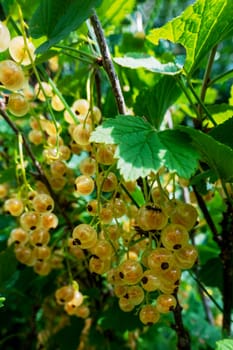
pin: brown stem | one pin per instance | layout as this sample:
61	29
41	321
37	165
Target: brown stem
183	337
36	164
227	261
107	64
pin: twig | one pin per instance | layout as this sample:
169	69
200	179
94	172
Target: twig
183	338
217	238
107	64
206	291
36	164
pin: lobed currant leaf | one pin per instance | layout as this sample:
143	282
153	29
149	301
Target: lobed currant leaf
142	149
199	28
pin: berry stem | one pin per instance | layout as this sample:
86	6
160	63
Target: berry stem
183	337
107	64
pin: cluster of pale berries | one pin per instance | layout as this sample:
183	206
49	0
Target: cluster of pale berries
140	251
152	265
32	236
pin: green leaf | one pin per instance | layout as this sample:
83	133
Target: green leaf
113	12
55	19
220	113
154	102
211	273
199	28
218	156
223	133
8	264
142	149
224	344
136	60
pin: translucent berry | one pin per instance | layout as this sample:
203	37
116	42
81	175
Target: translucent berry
39	237
48	220
149	315
21	51
30	220
81	134
105	154
84	236
11	75
64	294
42	202
14	206
130	271
149	281
151	217
18	236
84	185
102	249
87	166
174	236
125	304
134	294
186	257
165	303
72	305
18	104
160	259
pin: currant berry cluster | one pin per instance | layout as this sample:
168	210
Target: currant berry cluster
141	251
32	235
156	265
72	300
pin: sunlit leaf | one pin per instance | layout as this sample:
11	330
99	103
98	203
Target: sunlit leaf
220	113
199	28
149	63
224	344
142	149
113	12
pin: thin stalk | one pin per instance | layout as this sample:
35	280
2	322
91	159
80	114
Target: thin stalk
200	102
207	73
185	91
206	292
80	52
81	59
107	64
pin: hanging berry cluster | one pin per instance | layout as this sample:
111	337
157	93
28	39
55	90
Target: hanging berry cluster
139	249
